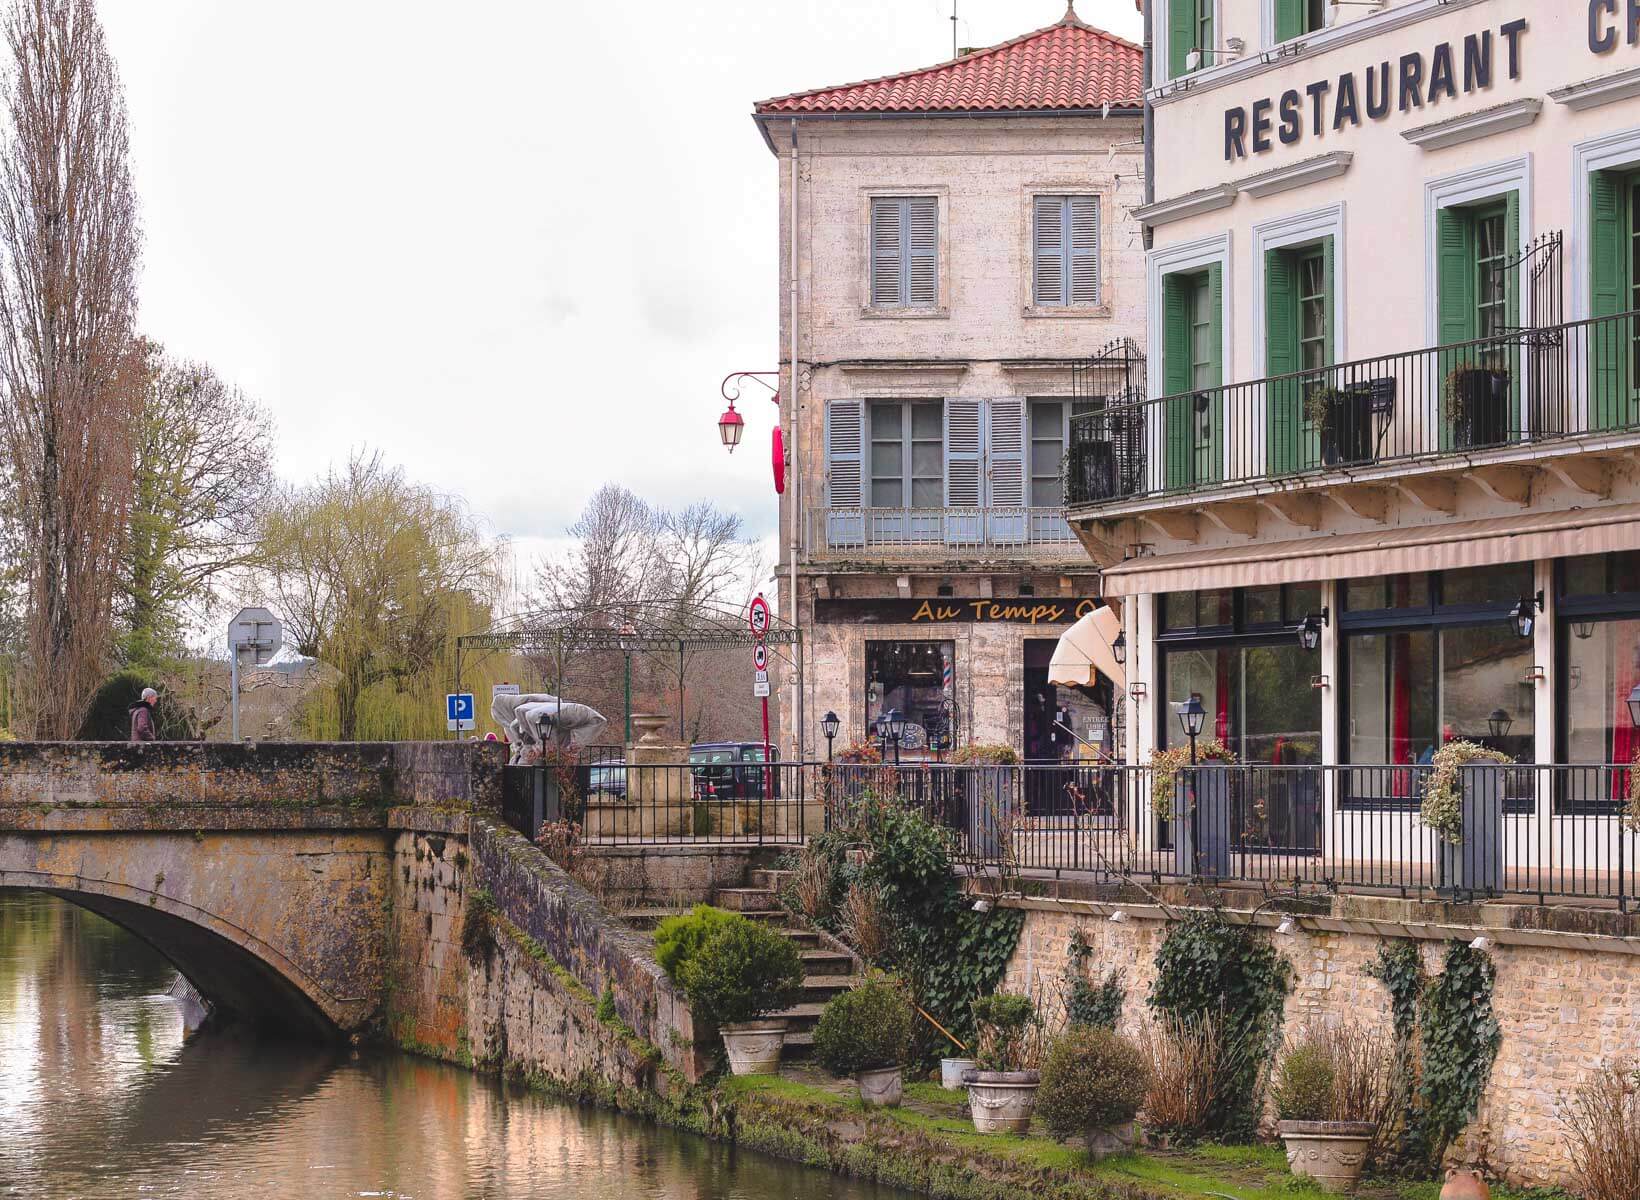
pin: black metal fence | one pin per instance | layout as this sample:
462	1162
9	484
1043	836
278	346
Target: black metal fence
1524	386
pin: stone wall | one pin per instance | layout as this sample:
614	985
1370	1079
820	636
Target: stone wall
1567	998
624	877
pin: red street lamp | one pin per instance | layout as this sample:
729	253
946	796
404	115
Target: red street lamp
730	426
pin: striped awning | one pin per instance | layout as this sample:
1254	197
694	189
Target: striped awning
1397	551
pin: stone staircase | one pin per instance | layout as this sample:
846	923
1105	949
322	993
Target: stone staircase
829	967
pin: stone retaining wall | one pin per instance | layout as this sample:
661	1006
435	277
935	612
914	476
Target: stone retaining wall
1567	999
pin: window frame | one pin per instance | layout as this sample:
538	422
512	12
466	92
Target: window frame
1065	195
1069	408
908	442
939	309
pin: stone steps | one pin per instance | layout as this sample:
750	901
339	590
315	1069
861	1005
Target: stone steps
748	900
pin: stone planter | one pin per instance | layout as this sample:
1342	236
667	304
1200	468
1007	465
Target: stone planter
1002	1101
882	1087
1105	1140
1330	1152
754	1046
1475	865
1201	840
954	1072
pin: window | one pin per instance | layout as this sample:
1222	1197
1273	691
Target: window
1313	291
907	460
1598	632
1050	433
1477	253
1614	270
1203	353
904	251
1299	322
1189	27
1297	17
1065	241
1492	255
1192	350
918	679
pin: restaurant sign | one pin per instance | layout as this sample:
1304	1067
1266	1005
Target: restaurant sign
944	610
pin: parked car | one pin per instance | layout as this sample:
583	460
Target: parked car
730	771
607	780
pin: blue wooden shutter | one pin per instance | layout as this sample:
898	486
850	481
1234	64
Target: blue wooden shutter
1005	470
845	441
1082	230
1283	401
887	257
1048	244
964	470
1609	340
922	252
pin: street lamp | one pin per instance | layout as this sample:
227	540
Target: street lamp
1499	723
730	426
891	727
1309	630
1634	706
1118	648
829	725
1192	717
1523	617
628	639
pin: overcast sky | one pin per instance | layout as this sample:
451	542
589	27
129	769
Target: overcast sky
515	244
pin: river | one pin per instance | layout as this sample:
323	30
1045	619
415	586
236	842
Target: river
104	1093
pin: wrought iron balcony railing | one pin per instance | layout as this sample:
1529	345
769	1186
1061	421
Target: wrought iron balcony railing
1528	386
926	533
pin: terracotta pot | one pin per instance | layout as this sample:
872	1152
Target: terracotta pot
1002	1101
882	1087
953	1072
1464	1185
1330	1152
1103	1140
754	1046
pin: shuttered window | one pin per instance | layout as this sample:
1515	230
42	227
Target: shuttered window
1614	273
1189	27
907	454
905	251
1295	18
1065	238
845	436
1299	323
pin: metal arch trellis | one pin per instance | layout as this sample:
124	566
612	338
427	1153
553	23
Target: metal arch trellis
634	626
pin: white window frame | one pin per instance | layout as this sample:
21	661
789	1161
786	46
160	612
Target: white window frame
941	308
1159	34
1608	152
1183	258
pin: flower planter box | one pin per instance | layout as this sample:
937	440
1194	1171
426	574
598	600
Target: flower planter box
1201	839
1485	399
754	1046
1002	1101
954	1073
1475	865
1346	434
1332	1153
1103	1141
881	1088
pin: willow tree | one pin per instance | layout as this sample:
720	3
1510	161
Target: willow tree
68	372
376	576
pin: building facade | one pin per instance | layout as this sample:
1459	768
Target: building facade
1394	384
957	247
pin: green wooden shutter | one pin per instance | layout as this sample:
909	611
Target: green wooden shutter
1283	406
1211	456
1176	292
1455	297
1511	225
1289	19
1329	279
1181	34
1609	341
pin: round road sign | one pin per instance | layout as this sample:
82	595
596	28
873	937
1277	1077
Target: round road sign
759	615
760	657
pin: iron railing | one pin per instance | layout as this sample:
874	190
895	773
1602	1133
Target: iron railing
1526	386
900	533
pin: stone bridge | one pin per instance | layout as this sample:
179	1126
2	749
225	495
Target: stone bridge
263	872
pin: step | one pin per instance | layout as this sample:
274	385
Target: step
807	940
773	880
648	918
799	1044
745	900
824	987
827	962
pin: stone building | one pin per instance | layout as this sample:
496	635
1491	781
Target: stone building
963	247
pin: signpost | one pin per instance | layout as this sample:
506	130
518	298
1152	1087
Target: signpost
458	711
255	633
758	617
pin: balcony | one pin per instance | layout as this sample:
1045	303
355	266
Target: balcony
896	535
1531	393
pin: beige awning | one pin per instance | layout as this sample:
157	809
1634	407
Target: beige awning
1485	543
1084	652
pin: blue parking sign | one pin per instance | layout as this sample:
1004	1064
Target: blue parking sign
458	710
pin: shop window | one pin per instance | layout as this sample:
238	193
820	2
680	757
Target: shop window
1261	609
1599	637
1258	698
1478	586
1384	593
919	679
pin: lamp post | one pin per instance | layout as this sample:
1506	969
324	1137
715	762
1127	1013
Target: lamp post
829	725
1118	648
1523	617
891	726
628	638
1309	630
1192	717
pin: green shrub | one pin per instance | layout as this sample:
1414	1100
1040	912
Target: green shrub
741	972
1091	1079
1304	1084
678	938
1095	1005
865	1029
1008	1032
108	717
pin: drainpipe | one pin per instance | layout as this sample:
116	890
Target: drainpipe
796	443
1149	133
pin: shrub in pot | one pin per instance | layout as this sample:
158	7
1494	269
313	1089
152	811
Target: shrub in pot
739	974
866	1033
1331	1089
1002	1087
1093	1082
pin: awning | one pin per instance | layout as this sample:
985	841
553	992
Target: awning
1523	538
1084	652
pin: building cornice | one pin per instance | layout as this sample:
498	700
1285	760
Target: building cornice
1191	204
1592	93
1299	174
1471	127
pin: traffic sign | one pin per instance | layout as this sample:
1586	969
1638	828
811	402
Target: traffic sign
759	615
458	710
761	688
760	657
255	635
503	689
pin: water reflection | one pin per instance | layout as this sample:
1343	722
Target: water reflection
104	1094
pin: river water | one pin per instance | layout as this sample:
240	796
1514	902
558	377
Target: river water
104	1093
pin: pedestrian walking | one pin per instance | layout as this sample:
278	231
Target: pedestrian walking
143	728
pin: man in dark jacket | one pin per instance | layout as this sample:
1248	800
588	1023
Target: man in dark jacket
142	718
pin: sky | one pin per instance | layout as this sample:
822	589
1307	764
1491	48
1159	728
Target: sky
513	245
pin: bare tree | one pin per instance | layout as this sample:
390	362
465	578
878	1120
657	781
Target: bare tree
203	479
612	560
68	260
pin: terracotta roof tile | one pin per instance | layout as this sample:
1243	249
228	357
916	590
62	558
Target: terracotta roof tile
1069	65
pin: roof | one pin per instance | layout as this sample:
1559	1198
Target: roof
1068	65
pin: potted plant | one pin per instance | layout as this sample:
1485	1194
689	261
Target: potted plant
1002	1087
735	972
1093	1082
866	1033
1342	421
1331	1090
1477	404
1465	809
